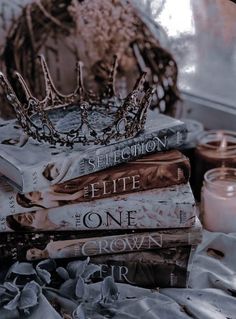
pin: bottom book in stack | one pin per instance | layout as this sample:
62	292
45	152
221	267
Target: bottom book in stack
159	268
158	258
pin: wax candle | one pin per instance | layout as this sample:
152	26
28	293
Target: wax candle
214	149
195	129
219	200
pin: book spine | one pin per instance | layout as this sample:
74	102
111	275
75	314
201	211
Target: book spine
72	245
162	268
75	165
153	171
150	209
148	270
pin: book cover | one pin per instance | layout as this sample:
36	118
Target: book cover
33	246
33	166
169	207
152	171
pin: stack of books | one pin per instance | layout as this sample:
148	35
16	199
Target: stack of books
127	205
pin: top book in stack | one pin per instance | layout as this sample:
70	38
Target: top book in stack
36	166
119	129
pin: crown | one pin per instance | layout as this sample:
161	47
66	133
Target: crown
80	117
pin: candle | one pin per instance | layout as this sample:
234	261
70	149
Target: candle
215	149
195	129
219	200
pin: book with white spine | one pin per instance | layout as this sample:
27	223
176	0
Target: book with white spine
171	207
159	170
33	166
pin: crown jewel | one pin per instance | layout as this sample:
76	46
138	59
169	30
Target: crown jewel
80	117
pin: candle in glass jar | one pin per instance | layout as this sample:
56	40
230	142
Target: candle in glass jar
214	149
219	200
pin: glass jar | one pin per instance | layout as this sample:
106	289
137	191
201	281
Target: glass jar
214	149
218	205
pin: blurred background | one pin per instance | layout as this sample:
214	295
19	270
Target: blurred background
201	36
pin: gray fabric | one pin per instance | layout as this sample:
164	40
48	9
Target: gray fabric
215	272
212	282
210	295
212	279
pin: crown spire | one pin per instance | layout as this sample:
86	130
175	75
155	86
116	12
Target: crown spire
138	87
24	86
110	87
140	116
10	95
146	100
131	101
53	97
79	79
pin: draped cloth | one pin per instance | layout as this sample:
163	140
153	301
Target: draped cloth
211	293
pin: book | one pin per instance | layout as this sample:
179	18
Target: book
32	246
162	268
33	166
166	267
153	171
169	207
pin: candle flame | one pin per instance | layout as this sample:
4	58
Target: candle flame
223	141
223	144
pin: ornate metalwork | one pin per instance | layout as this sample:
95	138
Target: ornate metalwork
79	117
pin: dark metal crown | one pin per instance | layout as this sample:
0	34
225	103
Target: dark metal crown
80	117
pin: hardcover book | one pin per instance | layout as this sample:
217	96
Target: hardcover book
169	207
153	171
148	269
32	246
166	267
32	166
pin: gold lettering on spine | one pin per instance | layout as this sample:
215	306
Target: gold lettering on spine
156	241
114	186
91	162
116	158
88	249
150	146
135	243
123	154
123	272
105	188
103	247
124	180
160	142
127	154
94	189
135	182
118	245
